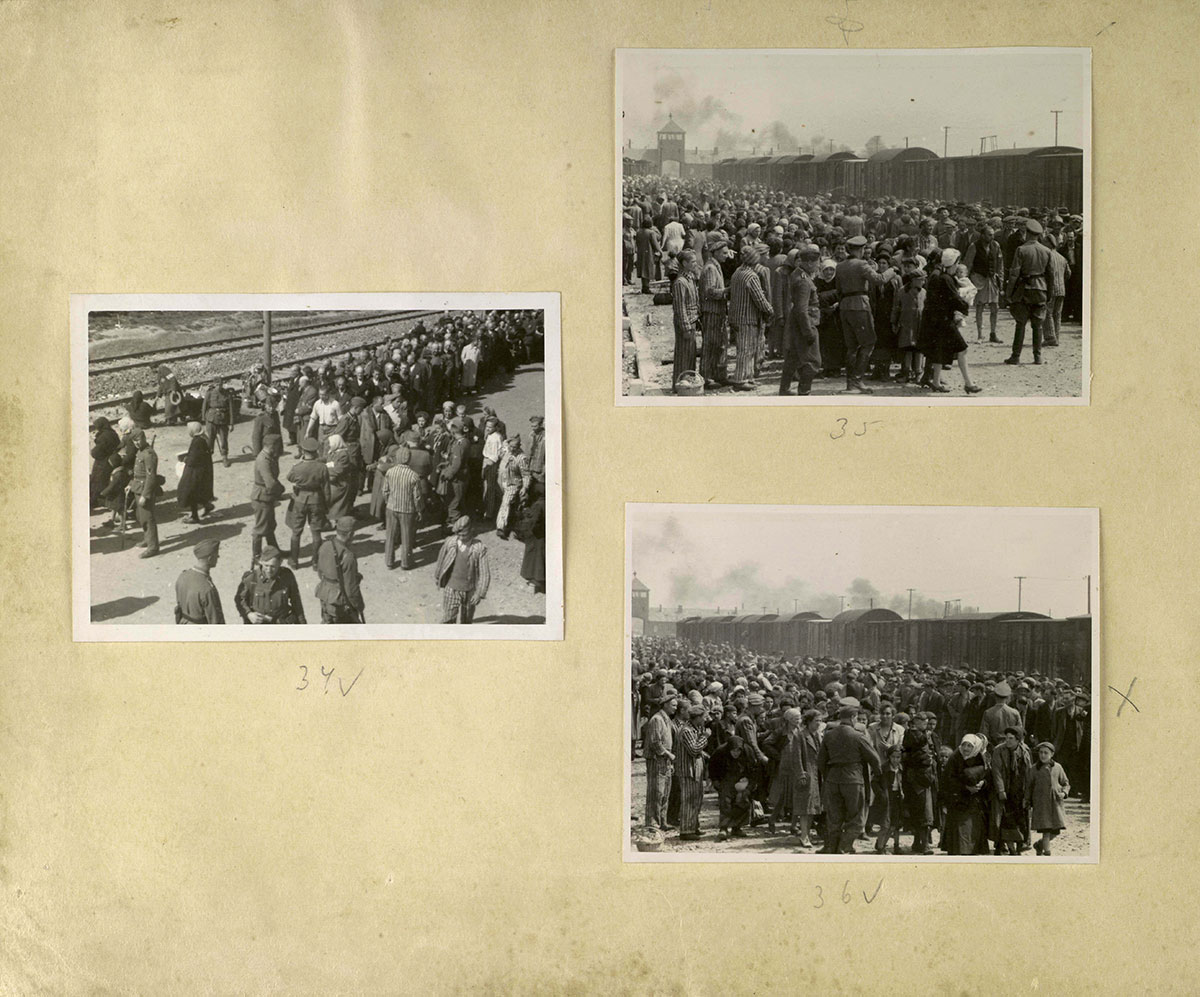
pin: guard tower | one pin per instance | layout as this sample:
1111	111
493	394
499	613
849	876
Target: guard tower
670	149
640	600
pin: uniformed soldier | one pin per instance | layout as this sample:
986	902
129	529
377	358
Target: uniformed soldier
267	422
456	473
265	494
338	589
217	415
268	592
310	500
196	597
146	485
840	762
853	280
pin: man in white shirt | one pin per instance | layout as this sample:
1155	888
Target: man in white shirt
493	449
326	413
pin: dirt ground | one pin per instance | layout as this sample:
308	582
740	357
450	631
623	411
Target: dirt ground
129	590
758	841
1059	376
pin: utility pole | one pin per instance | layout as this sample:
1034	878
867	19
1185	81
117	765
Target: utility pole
267	342
945	140
872	603
910	592
906	141
1020	582
945	609
843	598
795	605
1056	114
831	145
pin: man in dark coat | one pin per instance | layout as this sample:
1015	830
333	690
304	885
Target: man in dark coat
339	592
844	752
1072	728
801	340
217	416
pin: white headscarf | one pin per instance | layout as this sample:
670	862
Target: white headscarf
950	257
970	746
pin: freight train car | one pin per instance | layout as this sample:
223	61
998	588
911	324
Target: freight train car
980	641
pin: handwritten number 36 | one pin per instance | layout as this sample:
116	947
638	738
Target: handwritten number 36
847	896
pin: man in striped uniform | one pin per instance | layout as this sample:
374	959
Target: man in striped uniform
463	573
749	308
686	309
714	305
658	741
690	751
402	498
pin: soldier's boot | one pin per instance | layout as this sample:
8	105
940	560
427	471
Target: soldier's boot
256	543
294	559
317	541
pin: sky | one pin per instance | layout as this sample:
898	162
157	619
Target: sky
788	98
805	557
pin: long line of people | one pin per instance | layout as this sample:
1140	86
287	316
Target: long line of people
884	285
856	750
364	427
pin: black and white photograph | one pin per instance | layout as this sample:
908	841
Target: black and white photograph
337	466
867	227
858	683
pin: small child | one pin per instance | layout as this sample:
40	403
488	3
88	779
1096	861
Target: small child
907	307
966	290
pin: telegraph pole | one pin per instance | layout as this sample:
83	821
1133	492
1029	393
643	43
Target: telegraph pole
267	342
945	140
1056	114
1020	581
843	598
910	592
795	605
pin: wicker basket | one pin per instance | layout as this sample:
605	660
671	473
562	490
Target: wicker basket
689	383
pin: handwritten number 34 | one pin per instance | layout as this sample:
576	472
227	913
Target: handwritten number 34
344	689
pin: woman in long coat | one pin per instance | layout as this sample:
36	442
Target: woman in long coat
105	443
789	789
1010	805
966	799
810	748
1046	788
533	531
196	482
940	338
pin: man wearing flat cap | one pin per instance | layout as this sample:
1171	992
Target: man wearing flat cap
844	752
1029	290
658	745
1000	716
337	566
463	573
714	307
196	599
268	592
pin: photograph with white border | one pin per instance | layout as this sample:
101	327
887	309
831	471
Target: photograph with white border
316	466
843	226
861	683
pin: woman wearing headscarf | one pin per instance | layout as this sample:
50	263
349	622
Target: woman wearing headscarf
533	531
966	793
196	481
140	411
941	337
789	790
985	266
690	756
105	443
1046	788
833	345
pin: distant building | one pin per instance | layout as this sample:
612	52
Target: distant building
672	153
640	600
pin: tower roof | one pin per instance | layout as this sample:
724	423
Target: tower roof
639	585
671	126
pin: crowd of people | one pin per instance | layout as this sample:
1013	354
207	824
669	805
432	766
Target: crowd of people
844	751
879	289
382	438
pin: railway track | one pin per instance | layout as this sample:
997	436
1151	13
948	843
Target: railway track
181	354
283	364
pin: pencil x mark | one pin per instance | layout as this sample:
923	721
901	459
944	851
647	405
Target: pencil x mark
1125	698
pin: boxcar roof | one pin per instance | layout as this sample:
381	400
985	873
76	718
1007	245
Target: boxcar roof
866	616
904	154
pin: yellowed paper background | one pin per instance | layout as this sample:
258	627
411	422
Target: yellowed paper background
183	820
